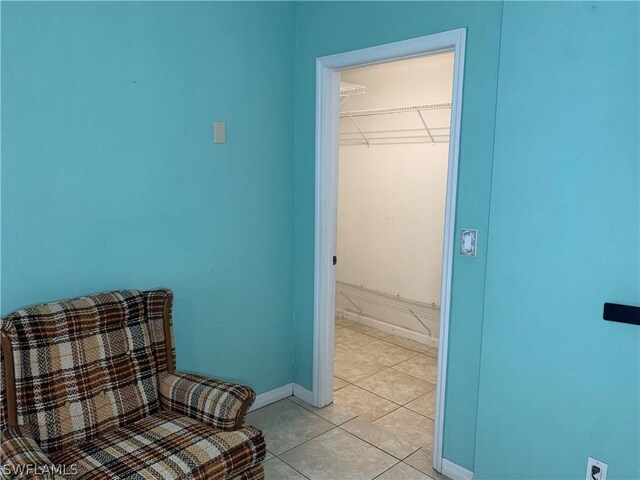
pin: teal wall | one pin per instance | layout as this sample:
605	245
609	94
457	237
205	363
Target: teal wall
110	178
557	383
559	211
324	29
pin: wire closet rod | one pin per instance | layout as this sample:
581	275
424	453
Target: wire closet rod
389	110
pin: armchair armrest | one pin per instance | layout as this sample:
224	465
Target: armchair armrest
21	457
219	404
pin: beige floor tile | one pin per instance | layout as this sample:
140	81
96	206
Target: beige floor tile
411	425
345	322
351	366
347	338
336	414
402	471
424	405
381	437
276	469
338	455
338	383
374	332
286	424
433	352
362	403
385	353
396	386
421	366
269	456
408	343
422	460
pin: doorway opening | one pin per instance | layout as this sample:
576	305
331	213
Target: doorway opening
388	123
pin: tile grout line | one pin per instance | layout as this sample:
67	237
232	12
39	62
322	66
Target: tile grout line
401	404
387	341
383	339
383	451
290	466
401	460
306	441
382	473
346	431
386	367
396	345
326	419
378	448
339	426
403	463
373	393
387	399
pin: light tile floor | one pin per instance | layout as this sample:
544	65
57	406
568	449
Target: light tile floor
380	425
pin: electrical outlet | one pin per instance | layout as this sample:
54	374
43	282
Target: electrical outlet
596	470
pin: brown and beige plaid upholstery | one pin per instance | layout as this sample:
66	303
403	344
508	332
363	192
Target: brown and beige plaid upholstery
92	376
4	420
158	304
166	445
252	473
82	366
21	456
219	404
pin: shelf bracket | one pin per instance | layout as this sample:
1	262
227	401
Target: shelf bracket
359	131
433	142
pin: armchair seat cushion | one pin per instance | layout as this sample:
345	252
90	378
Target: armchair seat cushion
166	446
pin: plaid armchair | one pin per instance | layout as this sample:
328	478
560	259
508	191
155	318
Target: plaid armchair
90	391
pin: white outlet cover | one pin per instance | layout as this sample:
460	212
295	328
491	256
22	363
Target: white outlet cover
468	241
601	475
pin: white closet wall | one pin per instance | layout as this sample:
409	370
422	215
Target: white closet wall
391	198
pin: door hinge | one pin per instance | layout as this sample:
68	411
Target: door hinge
335	259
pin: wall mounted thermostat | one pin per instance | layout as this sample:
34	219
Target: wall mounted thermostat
219	132
468	240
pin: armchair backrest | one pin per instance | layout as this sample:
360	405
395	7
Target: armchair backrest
75	368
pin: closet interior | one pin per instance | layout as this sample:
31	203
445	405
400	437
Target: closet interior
392	182
394	139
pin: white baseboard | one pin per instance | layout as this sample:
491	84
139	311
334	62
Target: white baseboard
387	327
455	471
272	396
302	393
277	394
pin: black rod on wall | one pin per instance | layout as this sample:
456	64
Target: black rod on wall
615	312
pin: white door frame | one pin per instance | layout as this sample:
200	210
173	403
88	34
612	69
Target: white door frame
327	124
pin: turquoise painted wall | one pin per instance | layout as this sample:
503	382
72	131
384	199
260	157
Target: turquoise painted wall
559	211
557	383
110	178
328	28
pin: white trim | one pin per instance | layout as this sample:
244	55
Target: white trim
280	393
448	244
326	173
327	108
302	393
388	327
455	471
272	396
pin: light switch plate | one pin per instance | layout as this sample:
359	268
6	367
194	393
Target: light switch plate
468	242
219	132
